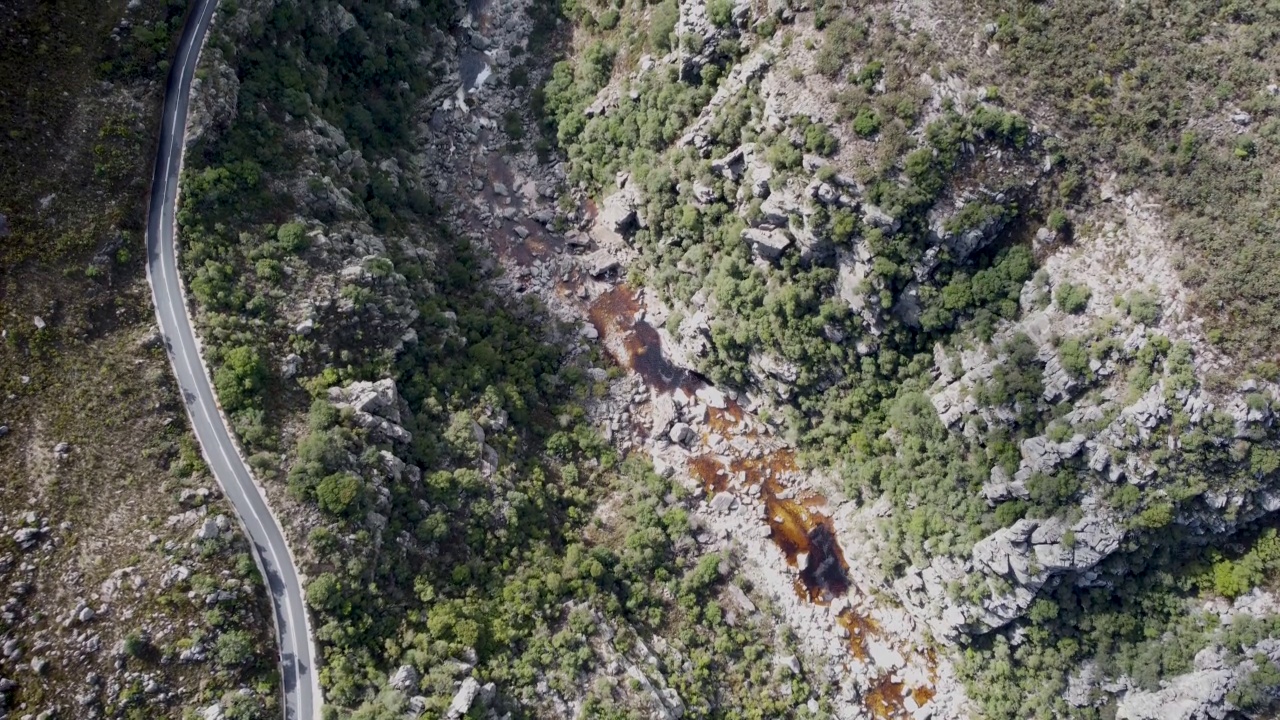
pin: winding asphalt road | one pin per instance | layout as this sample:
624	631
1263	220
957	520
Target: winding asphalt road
301	688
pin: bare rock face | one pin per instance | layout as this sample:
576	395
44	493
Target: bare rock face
378	407
463	700
767	244
966	231
618	218
405	679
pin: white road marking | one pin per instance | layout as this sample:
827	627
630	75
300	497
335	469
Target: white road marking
234	467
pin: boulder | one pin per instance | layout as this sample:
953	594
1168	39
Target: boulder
601	262
767	244
682	434
207	530
618	213
463	700
404	679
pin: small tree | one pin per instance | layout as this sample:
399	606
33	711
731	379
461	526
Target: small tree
1072	298
241	377
234	647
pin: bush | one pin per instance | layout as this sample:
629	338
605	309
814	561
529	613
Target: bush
337	493
134	644
819	140
1072	298
1140	306
240	378
663	25
232	648
720	12
866	123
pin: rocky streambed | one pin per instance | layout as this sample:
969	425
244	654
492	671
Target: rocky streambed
788	522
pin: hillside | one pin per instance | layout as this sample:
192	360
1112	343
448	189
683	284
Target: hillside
721	358
129	591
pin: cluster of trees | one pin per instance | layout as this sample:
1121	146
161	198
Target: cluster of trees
503	566
866	411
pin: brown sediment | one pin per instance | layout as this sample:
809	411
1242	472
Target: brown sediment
796	525
714	476
923	695
884	700
859	627
727	420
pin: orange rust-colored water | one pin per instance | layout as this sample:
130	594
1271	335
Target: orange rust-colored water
614	315
860	628
798	525
884	700
887	697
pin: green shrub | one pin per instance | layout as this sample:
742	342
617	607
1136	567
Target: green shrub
866	123
1072	298
819	140
1140	306
240	378
663	24
234	647
720	12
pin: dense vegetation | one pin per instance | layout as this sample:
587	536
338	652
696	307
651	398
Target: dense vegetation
851	380
489	554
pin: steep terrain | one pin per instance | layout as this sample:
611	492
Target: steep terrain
937	334
128	588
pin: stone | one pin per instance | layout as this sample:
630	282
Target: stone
790	662
601	262
405	679
618	213
662	415
734	592
212	712
723	502
463	700
4	226
877	218
208	530
682	434
290	366
767	244
26	537
712	397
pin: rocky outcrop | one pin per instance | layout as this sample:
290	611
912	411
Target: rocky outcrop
377	407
